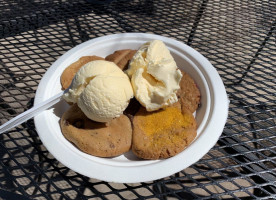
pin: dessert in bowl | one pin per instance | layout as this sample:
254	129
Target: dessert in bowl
210	116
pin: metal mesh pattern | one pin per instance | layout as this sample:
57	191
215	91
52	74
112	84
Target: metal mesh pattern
238	37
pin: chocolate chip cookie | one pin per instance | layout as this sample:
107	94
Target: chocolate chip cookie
97	139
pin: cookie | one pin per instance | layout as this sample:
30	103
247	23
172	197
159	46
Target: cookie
162	134
188	94
69	73
132	108
97	139
121	57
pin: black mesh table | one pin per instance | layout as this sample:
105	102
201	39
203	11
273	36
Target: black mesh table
239	39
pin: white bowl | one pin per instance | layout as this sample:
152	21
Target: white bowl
211	116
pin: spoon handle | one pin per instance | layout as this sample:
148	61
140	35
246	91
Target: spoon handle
31	112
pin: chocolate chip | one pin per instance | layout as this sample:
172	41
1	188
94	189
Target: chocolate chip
111	145
66	123
79	123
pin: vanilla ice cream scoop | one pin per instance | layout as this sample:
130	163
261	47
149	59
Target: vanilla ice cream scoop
101	90
154	76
